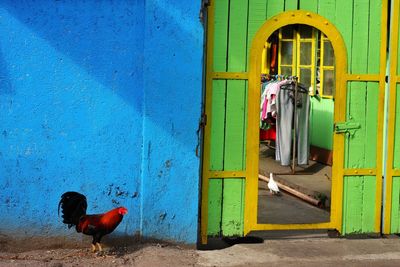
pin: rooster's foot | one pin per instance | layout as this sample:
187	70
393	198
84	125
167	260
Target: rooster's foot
100	248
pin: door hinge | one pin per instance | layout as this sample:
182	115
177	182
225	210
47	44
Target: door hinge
347	127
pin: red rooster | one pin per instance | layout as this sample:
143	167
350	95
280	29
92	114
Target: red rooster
73	207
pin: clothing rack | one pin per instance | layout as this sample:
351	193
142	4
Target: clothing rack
266	77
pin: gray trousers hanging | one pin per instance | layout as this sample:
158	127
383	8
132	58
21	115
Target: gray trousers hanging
284	126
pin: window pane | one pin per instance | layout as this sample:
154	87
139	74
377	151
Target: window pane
305	76
305	53
329	57
286	71
305	31
287	32
329	82
286	53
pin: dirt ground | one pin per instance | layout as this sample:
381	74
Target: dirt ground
57	252
302	249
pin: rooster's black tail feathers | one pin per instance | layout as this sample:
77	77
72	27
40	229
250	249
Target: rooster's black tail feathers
73	206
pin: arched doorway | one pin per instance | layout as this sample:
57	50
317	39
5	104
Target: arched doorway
252	148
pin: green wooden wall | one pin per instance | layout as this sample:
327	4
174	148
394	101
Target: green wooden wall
235	23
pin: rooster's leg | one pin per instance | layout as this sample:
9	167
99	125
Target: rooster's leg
93	248
100	248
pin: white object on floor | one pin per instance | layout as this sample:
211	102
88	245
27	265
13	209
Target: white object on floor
273	187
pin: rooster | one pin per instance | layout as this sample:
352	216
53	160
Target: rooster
73	207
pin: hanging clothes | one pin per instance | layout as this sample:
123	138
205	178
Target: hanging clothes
284	125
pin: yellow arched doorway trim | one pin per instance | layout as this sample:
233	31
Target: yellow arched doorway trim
252	147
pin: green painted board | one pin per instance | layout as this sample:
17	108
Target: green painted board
237	40
359	47
372	97
234	125
374	36
321	122
395	216
233	189
217	125
325	8
357	93
290	5
368	208
257	17
356	143
275	7
310	5
214	207
371	129
233	207
352	207
344	23
396	156
359	204
220	35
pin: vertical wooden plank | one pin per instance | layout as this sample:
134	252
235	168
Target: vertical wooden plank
234	134
396	149
325	8
395	217
345	201
310	5
233	207
214	207
374	36
372	99
357	107
353	204
237	40
257	17
344	23
290	5
275	7
218	125
220	35
233	189
357	93
368	204
371	125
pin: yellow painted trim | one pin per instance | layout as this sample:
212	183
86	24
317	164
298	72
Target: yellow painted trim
321	66
252	148
229	75
267	226
226	174
207	129
398	79
363	172
396	172
393	47
364	77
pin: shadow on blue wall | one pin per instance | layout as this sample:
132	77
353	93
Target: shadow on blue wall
73	108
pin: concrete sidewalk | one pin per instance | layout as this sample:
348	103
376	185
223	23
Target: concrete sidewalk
307	252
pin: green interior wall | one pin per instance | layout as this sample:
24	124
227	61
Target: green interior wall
236	22
321	122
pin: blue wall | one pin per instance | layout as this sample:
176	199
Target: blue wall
101	97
